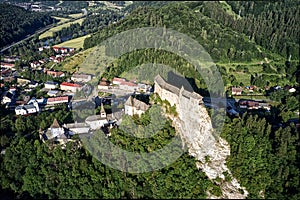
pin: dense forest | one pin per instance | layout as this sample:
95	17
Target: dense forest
221	32
33	170
16	23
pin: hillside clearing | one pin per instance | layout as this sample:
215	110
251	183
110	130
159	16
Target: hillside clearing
50	32
74	43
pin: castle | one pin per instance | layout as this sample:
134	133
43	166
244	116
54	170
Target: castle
173	94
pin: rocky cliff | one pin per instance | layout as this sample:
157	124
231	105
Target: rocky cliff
195	128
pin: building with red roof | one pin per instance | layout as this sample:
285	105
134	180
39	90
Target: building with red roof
70	86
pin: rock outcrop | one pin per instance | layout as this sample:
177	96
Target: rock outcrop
195	128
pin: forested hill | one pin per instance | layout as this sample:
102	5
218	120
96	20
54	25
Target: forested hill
272	24
16	23
222	40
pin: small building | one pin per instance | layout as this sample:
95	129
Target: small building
253	105
7	97
23	81
51	85
73	87
55	133
27	109
57	100
33	84
103	85
97	121
81	77
118	81
34	64
128	86
7	65
55	73
53	93
134	106
236	90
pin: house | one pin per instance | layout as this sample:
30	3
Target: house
252	105
55	73
128	86
7	97
9	79
264	105
57	100
117	81
97	121
63	49
27	109
7	65
236	90
34	64
5	72
134	106
33	84
51	85
53	93
103	85
23	81
10	59
73	87
56	133
81	77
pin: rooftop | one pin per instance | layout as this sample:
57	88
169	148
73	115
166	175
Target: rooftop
136	103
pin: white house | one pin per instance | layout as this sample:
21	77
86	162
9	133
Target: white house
7	97
134	106
81	77
97	121
51	85
70	86
27	109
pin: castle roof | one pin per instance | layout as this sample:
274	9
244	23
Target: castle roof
136	103
163	84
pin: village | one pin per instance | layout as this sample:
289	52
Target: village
17	94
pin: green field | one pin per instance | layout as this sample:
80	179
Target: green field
76	15
50	32
74	43
61	19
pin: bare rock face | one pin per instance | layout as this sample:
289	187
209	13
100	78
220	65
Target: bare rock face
195	128
194	125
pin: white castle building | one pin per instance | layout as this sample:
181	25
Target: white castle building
173	94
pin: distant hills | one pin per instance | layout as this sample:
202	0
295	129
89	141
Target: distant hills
229	31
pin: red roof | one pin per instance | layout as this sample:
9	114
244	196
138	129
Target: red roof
70	84
103	83
7	64
53	99
128	83
54	73
118	79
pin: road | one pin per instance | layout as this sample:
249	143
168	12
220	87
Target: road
41	31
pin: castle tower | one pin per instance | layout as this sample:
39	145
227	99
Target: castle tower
102	112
